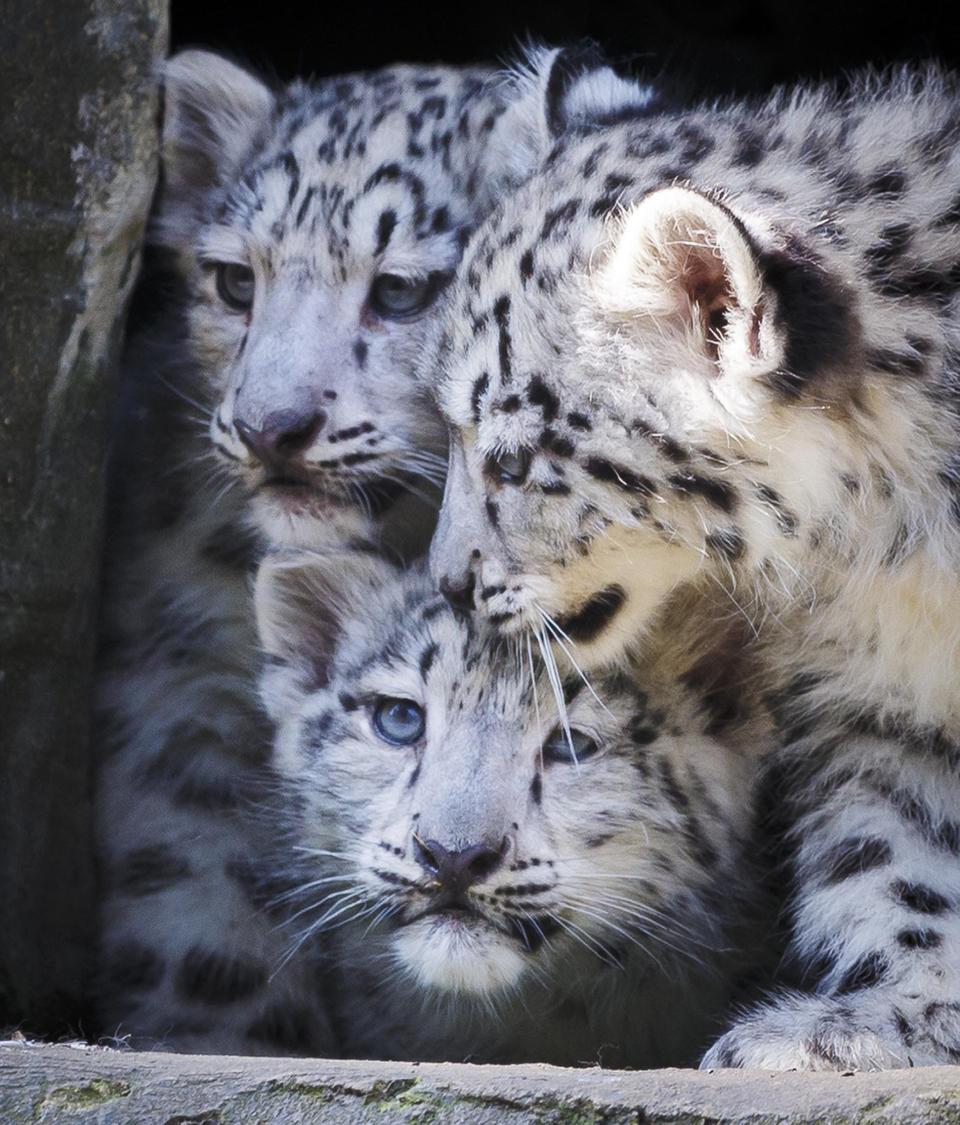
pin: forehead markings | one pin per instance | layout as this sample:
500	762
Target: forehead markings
539	394
288	162
392	173
479	389
302	210
526	266
385	227
427	658
501	314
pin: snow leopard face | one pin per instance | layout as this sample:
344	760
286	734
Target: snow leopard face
739	379
320	227
442	808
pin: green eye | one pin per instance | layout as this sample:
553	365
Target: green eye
235	285
398	297
510	468
558	749
400	722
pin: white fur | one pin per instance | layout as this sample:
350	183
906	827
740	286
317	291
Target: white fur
818	498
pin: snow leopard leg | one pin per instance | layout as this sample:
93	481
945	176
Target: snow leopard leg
872	835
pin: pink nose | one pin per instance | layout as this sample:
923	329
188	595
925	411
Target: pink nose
455	871
283	436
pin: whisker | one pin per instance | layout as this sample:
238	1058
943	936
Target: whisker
561	638
207	409
553	675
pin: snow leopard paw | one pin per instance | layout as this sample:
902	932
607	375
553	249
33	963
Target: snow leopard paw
877	1031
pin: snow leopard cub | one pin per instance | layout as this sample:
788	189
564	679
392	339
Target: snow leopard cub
307	235
724	350
482	884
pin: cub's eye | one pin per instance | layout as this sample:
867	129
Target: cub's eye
398	297
557	747
235	285
510	468
399	721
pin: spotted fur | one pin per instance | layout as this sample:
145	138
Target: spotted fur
311	193
595	920
721	352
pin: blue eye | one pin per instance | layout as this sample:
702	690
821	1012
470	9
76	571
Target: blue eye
399	721
558	749
395	296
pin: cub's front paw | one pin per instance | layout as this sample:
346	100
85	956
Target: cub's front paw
827	1033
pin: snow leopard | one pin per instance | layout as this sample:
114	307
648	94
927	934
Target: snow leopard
303	240
479	879
722	351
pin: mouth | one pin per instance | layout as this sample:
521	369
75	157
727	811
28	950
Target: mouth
508	622
284	484
530	931
503	608
302	491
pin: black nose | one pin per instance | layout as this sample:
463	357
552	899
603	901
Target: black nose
459	593
282	436
455	871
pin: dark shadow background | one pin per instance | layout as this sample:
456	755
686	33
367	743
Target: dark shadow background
720	46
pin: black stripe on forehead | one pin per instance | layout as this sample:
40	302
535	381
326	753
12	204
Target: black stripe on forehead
392	173
501	313
302	210
476	395
385	227
427	658
404	639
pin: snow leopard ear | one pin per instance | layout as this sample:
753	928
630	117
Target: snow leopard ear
688	261
549	92
303	601
214	112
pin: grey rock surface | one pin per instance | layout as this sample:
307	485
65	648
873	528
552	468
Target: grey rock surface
95	1087
78	134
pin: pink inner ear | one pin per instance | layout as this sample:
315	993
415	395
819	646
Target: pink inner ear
708	288
706	280
753	340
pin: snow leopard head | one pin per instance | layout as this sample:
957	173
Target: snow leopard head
711	381
439	805
319	226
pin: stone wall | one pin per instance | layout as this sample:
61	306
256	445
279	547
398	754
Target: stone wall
78	134
67	1086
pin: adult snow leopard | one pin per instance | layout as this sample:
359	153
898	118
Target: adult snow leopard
307	235
479	882
724	350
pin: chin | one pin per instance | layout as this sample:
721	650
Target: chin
307	520
457	955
